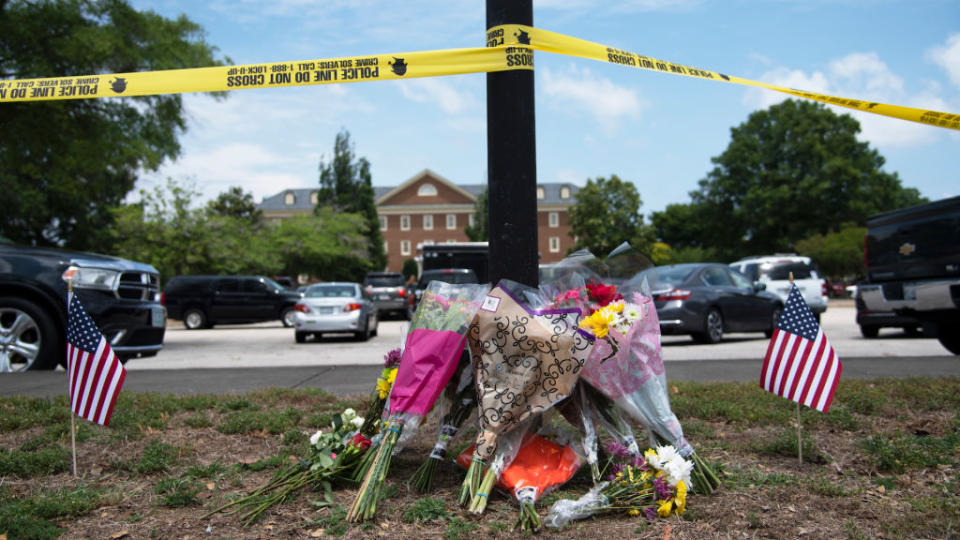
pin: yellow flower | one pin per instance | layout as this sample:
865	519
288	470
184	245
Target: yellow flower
665	508
385	383
633	512
681	497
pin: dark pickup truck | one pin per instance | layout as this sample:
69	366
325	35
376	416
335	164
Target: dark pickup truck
121	296
912	259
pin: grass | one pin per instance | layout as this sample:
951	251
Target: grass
166	460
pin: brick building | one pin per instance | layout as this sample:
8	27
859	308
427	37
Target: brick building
428	208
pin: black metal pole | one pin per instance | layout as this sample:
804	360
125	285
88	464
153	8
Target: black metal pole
511	160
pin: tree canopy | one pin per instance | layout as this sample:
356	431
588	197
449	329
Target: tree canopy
791	171
478	232
606	214
65	164
346	186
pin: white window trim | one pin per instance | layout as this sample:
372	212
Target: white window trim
404	218
428	218
427	190
553	219
451	222
565	192
383	223
471	219
554	244
541	193
405	248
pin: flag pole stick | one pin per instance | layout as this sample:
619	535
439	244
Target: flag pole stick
73	427
799	426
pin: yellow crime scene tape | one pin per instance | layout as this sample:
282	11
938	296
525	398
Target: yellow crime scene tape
508	47
544	40
269	75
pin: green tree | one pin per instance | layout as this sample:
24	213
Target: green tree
838	254
789	172
478	232
65	164
346	186
236	203
329	245
410	268
606	214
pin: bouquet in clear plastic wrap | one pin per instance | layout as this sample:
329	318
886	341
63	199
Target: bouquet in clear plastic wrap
626	364
651	485
526	358
431	354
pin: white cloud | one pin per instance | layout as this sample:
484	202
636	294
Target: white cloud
578	89
861	76
948	57
439	91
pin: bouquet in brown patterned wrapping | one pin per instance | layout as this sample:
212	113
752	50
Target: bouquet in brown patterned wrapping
526	359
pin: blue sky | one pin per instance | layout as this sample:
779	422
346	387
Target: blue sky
658	131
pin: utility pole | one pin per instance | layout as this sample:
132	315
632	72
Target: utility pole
512	160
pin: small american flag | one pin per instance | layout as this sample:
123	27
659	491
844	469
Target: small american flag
94	372
800	364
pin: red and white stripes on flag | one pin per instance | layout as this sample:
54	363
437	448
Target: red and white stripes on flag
94	373
800	364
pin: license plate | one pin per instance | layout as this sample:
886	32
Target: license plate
158	316
384	296
325	310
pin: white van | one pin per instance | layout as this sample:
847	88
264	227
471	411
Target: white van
774	271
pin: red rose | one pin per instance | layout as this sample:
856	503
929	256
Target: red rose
603	294
360	441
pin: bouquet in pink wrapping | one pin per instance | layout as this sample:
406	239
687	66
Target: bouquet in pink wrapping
431	354
626	364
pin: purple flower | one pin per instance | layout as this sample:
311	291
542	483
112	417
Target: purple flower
650	513
662	488
615	469
640	463
618	450
392	359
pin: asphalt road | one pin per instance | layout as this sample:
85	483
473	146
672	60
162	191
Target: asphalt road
243	358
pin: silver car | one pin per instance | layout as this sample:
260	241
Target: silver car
335	307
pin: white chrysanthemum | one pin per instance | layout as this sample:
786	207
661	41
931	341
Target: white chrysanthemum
632	312
667	453
678	469
357	421
315	437
622	326
348	415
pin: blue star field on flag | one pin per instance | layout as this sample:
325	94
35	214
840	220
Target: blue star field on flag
81	331
797	317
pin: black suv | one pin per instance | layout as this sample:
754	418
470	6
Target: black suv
389	292
203	301
121	296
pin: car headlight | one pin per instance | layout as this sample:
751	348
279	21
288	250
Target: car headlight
96	278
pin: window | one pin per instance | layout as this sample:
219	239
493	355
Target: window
289	199
541	194
428	222
554	219
717	277
740	281
427	190
313	198
565	192
471	219
383	223
451	222
405	247
385	247
554	244
404	223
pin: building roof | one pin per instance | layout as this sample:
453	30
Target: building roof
302	195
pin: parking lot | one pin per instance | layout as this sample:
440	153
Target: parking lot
270	344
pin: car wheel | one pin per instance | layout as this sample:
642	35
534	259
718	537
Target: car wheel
287	317
363	335
774	319
300	337
869	331
376	324
28	336
949	339
195	318
712	327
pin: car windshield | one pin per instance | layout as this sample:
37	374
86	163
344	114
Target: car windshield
780	270
672	275
271	284
385	281
330	291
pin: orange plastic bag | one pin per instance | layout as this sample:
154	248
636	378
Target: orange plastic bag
541	465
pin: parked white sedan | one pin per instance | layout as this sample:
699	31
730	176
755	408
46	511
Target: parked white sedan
335	307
